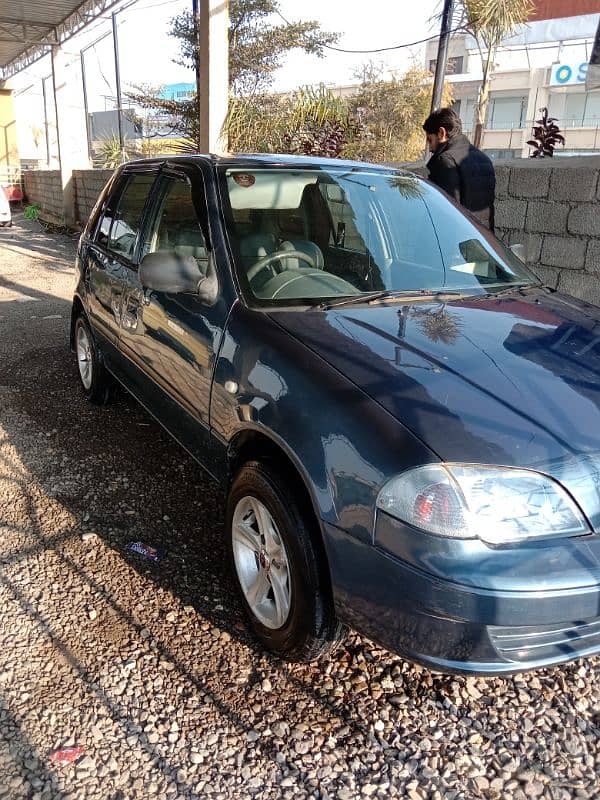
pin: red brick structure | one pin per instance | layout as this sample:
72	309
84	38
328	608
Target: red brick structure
554	9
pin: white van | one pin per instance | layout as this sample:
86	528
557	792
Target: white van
5	215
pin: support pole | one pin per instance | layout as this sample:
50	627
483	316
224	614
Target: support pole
46	131
442	56
592	78
214	73
85	105
118	85
70	134
196	16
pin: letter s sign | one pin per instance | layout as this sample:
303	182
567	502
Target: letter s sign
565	74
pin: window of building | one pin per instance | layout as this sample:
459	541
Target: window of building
467	113
454	65
582	110
505	113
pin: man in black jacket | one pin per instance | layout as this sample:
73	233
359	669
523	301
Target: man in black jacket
460	169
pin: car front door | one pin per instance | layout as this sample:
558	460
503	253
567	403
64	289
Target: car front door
109	252
173	339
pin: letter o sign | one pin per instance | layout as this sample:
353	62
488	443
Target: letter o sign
564	74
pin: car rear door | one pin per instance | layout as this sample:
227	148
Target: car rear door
172	339
111	249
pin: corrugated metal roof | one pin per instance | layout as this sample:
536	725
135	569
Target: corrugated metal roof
29	27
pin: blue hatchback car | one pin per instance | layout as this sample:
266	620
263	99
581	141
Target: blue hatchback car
406	422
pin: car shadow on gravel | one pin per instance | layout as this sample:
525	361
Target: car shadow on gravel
120	476
117	474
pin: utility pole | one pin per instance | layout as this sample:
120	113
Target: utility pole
196	15
592	79
442	56
118	83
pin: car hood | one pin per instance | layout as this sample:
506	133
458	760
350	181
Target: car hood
513	380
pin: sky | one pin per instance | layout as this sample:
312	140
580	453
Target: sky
147	52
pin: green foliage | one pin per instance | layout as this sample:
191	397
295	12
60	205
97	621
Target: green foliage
489	22
109	155
390	113
257	46
31	211
309	121
546	135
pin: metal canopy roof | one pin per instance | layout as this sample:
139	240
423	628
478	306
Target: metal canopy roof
29	27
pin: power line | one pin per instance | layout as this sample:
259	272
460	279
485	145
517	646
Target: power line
375	49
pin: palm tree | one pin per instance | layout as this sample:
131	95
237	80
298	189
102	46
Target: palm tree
489	22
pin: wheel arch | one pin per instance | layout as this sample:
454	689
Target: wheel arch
251	444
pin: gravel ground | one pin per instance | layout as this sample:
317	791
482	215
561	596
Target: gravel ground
147	665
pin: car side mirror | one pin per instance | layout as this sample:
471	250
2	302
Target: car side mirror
176	274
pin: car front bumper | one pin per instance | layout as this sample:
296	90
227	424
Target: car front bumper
460	606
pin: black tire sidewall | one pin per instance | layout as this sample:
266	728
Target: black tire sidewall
98	390
255	480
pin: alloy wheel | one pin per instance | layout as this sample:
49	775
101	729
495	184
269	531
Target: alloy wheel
84	356
261	562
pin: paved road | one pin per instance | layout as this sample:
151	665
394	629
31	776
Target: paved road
147	666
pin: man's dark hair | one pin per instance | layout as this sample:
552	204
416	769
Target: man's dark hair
443	118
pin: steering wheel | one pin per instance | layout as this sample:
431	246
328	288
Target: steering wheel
267	261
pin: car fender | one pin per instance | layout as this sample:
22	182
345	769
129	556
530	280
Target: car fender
341	441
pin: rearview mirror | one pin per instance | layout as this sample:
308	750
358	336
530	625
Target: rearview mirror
173	273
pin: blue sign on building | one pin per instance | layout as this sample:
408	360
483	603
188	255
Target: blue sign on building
178	91
568	74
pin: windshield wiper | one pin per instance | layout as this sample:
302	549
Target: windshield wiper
371	297
515	287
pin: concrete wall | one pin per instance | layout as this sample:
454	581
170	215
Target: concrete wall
44	188
9	153
88	185
552	206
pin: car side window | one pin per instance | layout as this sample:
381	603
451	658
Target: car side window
108	213
119	228
176	228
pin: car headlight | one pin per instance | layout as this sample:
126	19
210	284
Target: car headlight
495	504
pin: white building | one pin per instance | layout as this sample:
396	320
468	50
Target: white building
543	66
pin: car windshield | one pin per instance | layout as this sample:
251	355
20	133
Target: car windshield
321	235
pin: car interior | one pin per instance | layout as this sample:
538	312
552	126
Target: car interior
314	234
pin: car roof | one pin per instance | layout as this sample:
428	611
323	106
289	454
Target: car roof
265	159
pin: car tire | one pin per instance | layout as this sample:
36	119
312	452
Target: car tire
277	566
95	380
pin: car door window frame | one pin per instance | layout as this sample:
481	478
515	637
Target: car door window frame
120	188
195	180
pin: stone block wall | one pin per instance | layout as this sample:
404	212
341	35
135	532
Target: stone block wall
552	206
88	185
44	188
